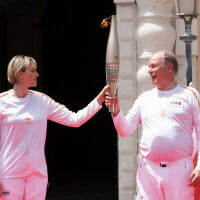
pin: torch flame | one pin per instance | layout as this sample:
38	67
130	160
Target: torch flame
105	22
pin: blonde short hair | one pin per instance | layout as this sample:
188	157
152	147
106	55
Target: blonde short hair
16	64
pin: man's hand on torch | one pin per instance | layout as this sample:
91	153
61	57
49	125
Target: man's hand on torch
109	101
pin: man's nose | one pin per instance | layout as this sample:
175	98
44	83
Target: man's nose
149	70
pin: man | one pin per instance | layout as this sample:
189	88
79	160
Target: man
168	114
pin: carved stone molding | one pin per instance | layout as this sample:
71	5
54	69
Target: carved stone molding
155	31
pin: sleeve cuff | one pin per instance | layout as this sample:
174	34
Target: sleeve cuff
96	103
113	116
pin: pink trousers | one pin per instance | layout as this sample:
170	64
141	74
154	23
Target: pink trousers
165	181
29	188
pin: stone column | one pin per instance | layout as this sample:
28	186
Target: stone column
127	147
155	32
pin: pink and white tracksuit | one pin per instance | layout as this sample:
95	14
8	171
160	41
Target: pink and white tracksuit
168	119
23	125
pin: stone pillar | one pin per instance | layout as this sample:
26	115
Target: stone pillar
155	32
127	147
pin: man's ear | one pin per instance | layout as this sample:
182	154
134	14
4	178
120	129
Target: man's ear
170	67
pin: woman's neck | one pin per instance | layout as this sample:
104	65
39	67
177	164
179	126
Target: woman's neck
20	91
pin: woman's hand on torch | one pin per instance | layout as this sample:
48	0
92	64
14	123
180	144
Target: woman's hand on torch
109	101
102	95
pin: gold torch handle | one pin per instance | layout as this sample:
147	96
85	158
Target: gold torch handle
113	89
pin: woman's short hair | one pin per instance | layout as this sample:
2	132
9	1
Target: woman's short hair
16	64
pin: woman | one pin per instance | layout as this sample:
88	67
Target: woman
23	117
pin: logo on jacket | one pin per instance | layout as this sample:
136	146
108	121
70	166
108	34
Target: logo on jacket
175	103
27	117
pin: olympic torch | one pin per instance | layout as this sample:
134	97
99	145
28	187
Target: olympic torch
112	59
